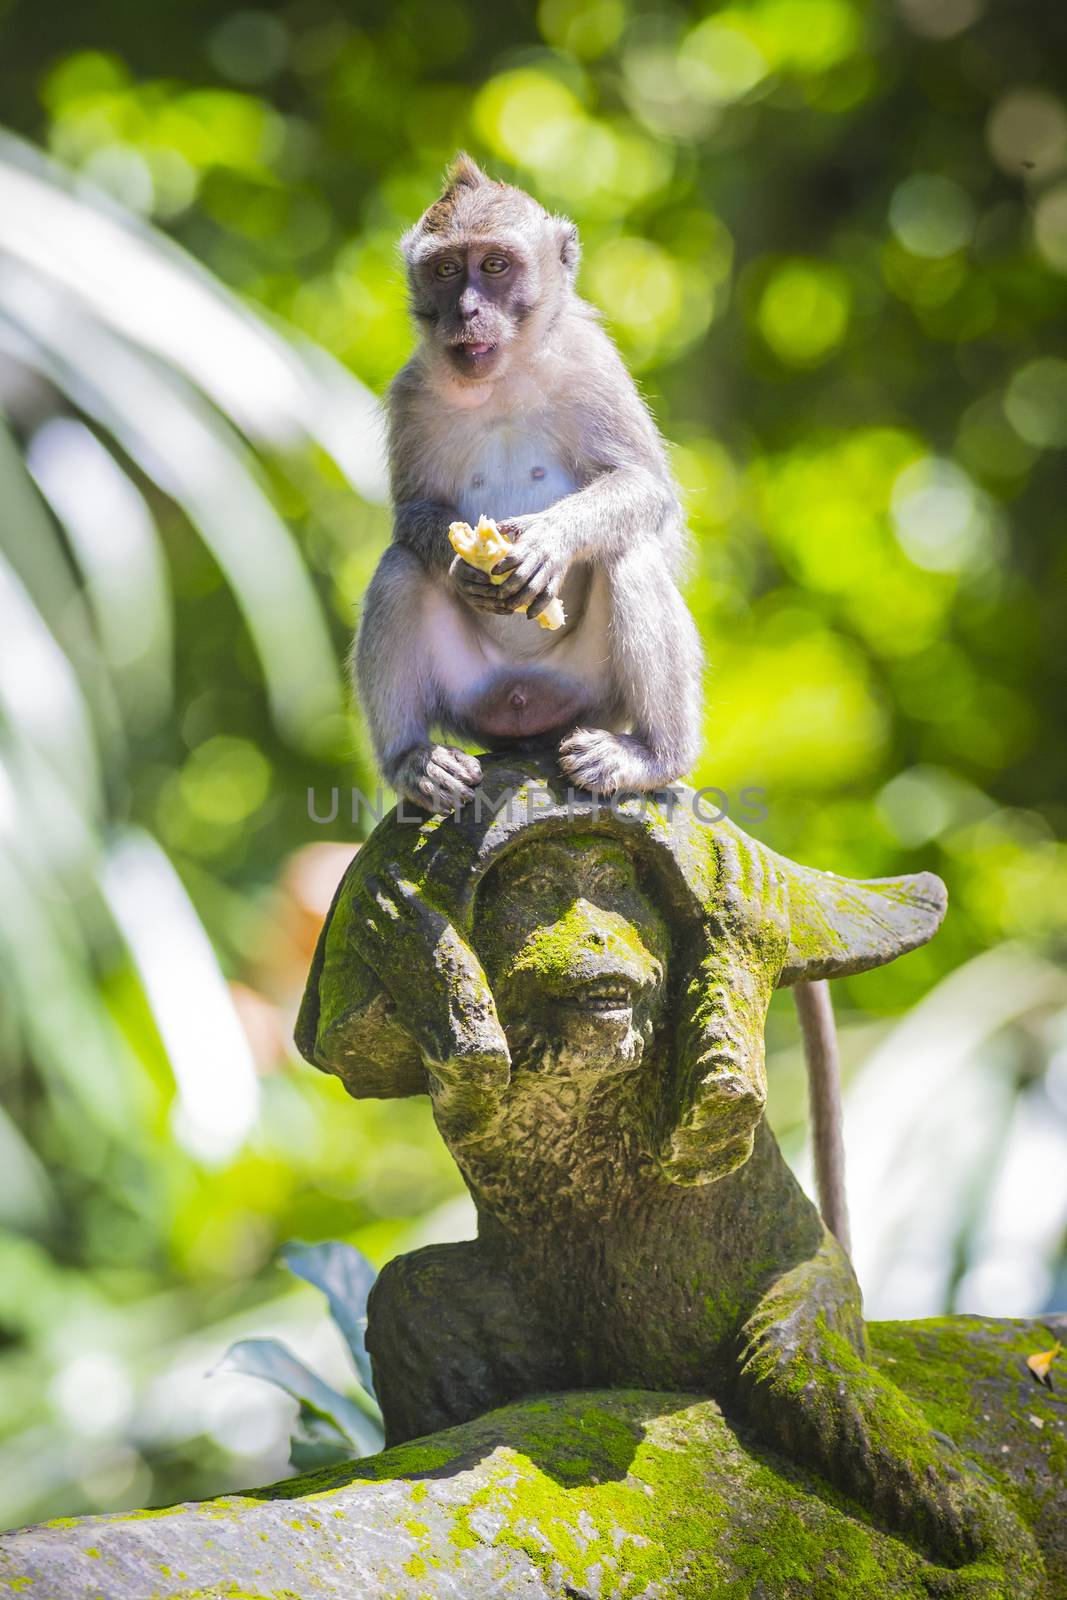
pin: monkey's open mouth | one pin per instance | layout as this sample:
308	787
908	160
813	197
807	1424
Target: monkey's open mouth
474	352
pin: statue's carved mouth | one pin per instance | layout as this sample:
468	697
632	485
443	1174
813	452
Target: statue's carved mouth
601	997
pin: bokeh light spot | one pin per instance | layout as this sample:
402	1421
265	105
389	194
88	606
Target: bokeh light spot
637	284
1027	133
939	516
249	47
940	19
803	311
931	215
1036	403
528	117
807	36
584	27
225	780
1050	227
719	61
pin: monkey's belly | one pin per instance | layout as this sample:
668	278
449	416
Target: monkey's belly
524	703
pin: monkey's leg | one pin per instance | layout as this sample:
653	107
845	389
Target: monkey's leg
450	1338
656	667
805	1385
404	629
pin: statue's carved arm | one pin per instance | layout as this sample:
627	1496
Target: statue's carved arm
720	1080
449	1008
806	1385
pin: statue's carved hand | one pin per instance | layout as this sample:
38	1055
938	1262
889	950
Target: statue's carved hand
437	982
536	568
714	1135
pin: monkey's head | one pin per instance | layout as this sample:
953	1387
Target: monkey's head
576	953
488	270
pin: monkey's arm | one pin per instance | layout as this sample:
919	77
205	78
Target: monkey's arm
421	514
395	658
422	525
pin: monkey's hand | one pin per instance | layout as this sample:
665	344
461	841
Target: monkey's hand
477	588
535	570
436	777
448	1007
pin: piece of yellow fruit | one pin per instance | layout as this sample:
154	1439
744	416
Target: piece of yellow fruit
1040	1363
483	547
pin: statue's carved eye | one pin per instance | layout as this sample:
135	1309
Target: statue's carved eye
615	877
541	878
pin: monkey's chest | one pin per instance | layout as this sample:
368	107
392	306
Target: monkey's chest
507	471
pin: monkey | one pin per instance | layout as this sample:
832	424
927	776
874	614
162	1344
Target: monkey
517	404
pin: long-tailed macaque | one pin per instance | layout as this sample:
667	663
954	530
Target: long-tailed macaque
516	404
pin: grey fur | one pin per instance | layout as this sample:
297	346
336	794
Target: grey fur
545	431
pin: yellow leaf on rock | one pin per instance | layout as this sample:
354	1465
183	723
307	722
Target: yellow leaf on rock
1040	1363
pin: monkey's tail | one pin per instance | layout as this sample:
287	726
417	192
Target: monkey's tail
816	1012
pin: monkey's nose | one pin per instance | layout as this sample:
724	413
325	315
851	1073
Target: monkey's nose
518	699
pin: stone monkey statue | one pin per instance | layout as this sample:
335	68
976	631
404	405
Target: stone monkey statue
582	991
517	404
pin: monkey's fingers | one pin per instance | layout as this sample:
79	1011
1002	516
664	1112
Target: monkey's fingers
450	779
488	601
467	576
540	602
521	577
538	588
459	762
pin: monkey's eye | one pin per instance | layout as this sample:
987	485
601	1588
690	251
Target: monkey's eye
446	269
495	265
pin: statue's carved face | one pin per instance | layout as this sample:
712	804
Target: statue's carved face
576	955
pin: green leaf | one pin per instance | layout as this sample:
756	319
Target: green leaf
275	1363
346	1278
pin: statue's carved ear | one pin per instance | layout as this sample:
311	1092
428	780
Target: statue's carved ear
842	925
348	1025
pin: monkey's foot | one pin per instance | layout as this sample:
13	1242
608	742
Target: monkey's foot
605	762
436	777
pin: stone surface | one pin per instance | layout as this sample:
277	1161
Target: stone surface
606	1495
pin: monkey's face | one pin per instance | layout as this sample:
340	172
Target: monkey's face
473	299
576	956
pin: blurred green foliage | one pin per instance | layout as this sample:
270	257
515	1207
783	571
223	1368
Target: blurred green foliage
831	239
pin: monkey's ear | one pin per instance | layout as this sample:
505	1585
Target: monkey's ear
570	249
843	925
464	173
